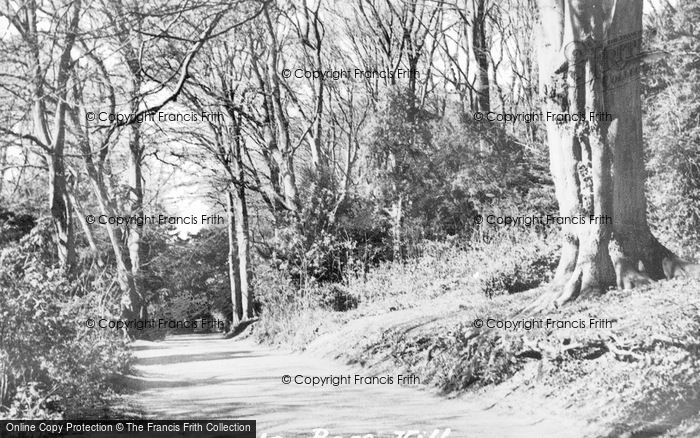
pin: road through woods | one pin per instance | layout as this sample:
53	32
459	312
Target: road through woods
206	377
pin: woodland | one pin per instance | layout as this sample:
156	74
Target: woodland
266	163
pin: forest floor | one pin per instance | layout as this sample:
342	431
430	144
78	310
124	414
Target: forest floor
637	376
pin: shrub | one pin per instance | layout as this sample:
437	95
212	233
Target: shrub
456	359
337	298
14	226
191	278
517	266
672	130
51	364
482	360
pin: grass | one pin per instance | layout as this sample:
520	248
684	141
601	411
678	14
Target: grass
445	273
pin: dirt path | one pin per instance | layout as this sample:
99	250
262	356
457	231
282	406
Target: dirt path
206	377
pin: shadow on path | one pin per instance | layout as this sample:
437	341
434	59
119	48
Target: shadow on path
207	377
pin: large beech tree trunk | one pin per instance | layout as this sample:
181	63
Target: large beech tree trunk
589	59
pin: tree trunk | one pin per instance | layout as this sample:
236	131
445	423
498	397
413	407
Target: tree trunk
243	243
134	232
233	263
61	213
54	141
89	235
241	220
480	51
396	225
3	163
597	161
130	39
317	157
282	152
132	302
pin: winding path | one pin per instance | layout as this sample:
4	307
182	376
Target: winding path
206	377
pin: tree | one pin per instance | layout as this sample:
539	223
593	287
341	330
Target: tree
49	134
310	32
128	31
281	149
481	55
223	84
589	59
95	149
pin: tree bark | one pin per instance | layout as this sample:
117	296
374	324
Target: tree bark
61	214
282	151
233	263
311	35
130	41
241	219
480	51
135	197
89	235
132	302
597	161
3	163
53	141
396	228
134	232
243	243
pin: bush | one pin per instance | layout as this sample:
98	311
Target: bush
517	266
14	226
672	130
337	298
465	361
51	365
293	316
191	278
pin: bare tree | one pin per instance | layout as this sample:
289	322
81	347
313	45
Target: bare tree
310	31
47	132
281	150
224	86
95	150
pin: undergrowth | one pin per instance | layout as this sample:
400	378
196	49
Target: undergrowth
51	365
495	263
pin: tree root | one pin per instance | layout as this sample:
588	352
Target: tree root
675	267
240	328
557	297
582	350
629	274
